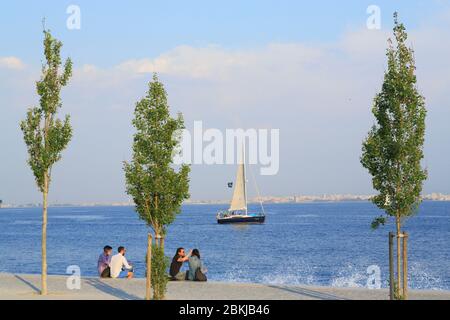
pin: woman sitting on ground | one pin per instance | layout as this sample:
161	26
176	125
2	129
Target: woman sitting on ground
196	269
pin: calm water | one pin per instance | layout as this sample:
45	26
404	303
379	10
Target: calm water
318	244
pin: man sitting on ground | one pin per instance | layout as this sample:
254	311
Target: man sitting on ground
104	260
120	268
177	262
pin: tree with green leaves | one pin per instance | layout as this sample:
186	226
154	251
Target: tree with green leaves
393	149
45	135
159	265
156	186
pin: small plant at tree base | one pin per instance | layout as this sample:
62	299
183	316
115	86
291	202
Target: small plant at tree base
160	263
397	294
393	149
45	135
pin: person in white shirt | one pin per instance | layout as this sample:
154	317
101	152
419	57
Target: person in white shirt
120	268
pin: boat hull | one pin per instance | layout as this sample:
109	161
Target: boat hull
241	219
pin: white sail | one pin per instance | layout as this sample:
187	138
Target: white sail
239	201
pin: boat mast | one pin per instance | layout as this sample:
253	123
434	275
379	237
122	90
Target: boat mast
245	177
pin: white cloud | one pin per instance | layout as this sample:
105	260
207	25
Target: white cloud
11	63
217	63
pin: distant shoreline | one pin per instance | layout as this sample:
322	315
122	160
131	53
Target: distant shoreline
204	202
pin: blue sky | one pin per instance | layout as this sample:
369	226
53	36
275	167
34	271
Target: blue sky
116	30
310	69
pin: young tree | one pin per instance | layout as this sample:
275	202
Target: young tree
393	150
156	187
46	136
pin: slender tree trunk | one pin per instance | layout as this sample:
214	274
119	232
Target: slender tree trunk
405	266
391	266
161	243
44	236
157	227
157	239
156	292
148	283
399	266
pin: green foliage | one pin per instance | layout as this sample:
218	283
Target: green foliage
397	294
393	149
377	222
160	263
46	136
157	189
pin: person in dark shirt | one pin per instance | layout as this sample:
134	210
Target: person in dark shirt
177	262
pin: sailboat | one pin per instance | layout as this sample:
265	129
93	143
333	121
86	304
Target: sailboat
238	211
